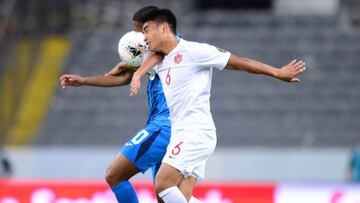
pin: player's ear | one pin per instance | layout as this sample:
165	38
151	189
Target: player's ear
163	28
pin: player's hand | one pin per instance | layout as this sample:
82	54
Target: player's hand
289	72
117	69
71	80
135	84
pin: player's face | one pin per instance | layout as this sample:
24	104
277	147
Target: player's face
153	35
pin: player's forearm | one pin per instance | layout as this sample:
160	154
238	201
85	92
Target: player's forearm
252	66
108	81
149	63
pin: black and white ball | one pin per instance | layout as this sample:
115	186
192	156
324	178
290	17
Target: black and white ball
131	48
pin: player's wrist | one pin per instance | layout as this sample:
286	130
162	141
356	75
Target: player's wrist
137	75
276	73
281	75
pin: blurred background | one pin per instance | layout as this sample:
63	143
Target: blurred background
273	136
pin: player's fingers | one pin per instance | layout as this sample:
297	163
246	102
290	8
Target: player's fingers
297	68
133	91
115	72
110	73
134	86
63	77
64	85
295	80
64	81
300	70
300	64
296	65
292	62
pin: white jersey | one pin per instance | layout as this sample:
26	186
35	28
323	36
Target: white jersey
185	75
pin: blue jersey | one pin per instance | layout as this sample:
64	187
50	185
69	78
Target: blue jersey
147	147
158	109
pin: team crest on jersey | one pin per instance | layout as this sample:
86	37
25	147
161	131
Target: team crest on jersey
221	50
178	58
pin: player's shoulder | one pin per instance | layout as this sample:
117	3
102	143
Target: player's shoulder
200	51
195	46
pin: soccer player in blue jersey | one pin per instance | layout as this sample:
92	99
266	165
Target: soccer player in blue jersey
147	148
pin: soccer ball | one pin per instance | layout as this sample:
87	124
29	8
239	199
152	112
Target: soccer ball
131	47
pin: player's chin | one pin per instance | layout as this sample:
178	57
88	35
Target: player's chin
151	48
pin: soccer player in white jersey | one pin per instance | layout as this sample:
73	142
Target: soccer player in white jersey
185	73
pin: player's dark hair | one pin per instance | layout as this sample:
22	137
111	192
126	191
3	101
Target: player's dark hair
161	16
142	11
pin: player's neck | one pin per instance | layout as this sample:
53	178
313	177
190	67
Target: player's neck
170	44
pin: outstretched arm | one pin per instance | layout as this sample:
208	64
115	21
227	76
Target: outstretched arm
287	73
149	63
118	76
98	81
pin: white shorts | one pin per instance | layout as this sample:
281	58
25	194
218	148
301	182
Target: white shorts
189	150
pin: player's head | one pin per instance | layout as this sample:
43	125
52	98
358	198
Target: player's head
137	17
158	25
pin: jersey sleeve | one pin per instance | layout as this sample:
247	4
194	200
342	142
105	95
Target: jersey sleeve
208	56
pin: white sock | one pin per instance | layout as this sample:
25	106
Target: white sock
194	200
171	195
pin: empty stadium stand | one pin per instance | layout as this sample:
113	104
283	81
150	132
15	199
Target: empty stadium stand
249	110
